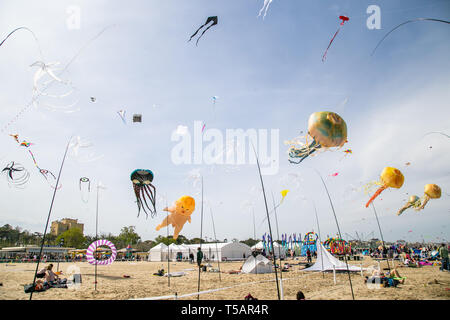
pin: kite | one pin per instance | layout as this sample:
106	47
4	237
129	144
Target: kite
180	212
215	99
266	6
334	174
45	173
414	201
16	137
25	144
204	126
343	18
214	21
91	251
137	118
93	99
414	20
348	151
390	178
432	191
16	175
121	114
327	129
407	164
143	188
83	181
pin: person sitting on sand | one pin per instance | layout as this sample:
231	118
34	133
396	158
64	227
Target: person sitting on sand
50	276
394	274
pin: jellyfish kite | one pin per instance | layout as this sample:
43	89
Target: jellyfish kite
413	201
16	175
214	21
390	178
85	188
143	189
343	18
180	212
327	130
432	191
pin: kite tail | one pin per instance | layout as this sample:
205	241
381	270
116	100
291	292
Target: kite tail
329	45
204	33
197	31
376	194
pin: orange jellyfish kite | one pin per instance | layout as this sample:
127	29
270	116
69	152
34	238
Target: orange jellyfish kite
180	212
390	178
327	130
432	191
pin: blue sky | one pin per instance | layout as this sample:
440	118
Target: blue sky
267	73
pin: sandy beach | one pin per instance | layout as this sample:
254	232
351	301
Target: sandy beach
425	283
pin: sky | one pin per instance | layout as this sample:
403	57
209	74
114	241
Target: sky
268	75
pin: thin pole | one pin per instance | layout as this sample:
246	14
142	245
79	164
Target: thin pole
201	234
48	217
254	236
279	250
215	237
268	219
339	230
381	233
168	251
320	240
96	238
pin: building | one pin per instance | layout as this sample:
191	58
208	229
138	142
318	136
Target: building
65	224
31	251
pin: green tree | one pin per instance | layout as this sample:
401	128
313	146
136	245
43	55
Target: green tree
73	238
250	242
128	236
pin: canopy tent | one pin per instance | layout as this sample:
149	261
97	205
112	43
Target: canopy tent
211	251
260	264
325	261
158	253
279	250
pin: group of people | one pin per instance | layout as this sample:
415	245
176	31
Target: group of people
47	279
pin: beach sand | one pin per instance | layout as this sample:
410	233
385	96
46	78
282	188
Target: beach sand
420	283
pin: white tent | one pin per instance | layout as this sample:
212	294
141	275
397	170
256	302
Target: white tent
226	251
325	261
158	253
279	250
260	264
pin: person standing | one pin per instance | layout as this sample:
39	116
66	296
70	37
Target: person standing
308	255
443	253
199	256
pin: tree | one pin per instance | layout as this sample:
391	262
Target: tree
250	242
128	236
73	238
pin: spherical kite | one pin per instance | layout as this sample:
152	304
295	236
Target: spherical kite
327	129
390	178
180	212
413	201
143	188
432	191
